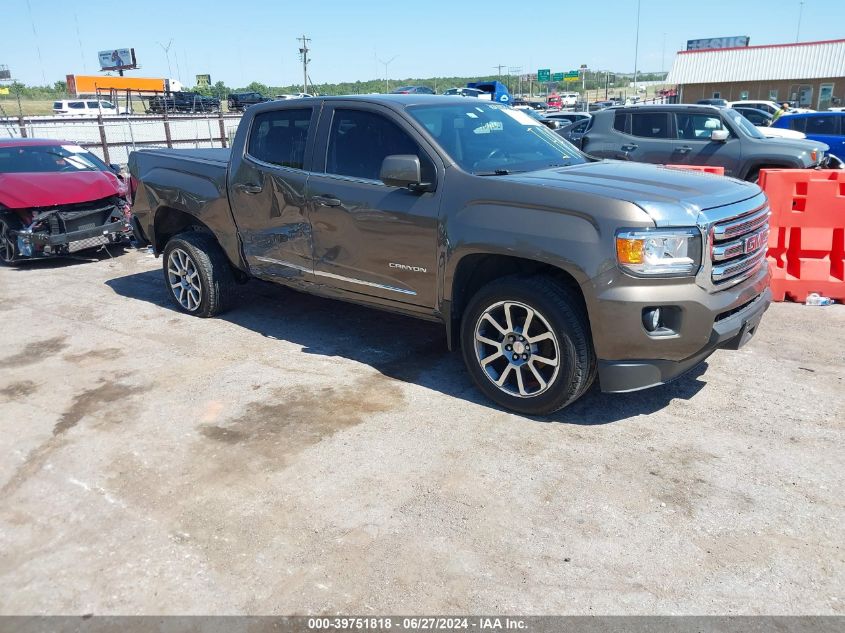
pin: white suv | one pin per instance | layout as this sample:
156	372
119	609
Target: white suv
85	107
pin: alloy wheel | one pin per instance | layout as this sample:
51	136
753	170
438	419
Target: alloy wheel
517	349
183	276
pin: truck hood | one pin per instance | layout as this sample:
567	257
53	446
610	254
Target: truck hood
25	190
796	146
671	197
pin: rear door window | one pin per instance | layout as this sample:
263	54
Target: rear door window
798	123
76	105
650	124
279	137
822	125
622	122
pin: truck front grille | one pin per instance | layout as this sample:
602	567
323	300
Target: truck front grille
737	246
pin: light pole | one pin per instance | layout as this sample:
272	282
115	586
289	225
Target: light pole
636	47
800	12
386	79
166	50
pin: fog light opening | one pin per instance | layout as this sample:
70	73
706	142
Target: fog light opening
652	319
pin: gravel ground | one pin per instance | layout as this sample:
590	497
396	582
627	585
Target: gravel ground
299	455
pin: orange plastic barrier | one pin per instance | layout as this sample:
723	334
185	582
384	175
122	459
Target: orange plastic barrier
807	237
710	169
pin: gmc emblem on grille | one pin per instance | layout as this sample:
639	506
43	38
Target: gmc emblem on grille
755	242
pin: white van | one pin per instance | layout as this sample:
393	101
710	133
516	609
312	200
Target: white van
568	99
86	107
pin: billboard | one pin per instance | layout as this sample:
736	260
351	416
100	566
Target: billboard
737	41
203	81
79	85
117	59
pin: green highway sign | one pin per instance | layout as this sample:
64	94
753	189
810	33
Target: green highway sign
557	77
572	74
544	74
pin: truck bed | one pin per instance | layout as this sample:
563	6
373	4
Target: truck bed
208	155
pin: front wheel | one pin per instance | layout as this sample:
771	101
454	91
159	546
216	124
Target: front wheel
198	274
526	344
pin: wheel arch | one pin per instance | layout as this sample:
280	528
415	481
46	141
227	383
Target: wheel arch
765	164
475	270
169	221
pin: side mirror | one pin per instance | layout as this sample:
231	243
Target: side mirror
402	170
719	136
554	125
115	168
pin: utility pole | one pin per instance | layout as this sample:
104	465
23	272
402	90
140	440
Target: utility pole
303	53
386	78
499	69
513	70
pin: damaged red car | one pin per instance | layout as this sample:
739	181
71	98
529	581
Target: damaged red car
57	198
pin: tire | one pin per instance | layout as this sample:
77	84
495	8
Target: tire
558	330
9	245
208	284
753	177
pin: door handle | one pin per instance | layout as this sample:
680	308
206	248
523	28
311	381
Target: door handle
686	149
629	148
327	200
249	188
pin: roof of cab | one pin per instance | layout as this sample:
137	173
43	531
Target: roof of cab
21	142
395	101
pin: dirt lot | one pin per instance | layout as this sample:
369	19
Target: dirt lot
301	455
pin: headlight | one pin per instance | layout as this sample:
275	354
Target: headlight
672	253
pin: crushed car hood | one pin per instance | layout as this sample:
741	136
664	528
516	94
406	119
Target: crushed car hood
672	197
26	190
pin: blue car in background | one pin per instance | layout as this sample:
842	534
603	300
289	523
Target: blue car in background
493	90
826	127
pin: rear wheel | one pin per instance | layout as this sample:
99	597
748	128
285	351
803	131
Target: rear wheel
198	274
526	344
8	240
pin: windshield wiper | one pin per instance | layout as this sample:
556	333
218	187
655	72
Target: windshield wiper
498	172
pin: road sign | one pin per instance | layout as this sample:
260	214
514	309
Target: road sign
544	74
572	75
557	77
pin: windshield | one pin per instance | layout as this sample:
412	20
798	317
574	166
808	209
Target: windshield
491	139
744	124
47	159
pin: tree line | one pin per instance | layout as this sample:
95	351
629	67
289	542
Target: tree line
595	80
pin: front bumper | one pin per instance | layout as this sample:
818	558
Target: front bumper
630	358
730	333
40	244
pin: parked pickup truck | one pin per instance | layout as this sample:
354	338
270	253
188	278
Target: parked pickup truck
240	101
546	267
183	102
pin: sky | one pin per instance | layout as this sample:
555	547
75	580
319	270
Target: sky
255	40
